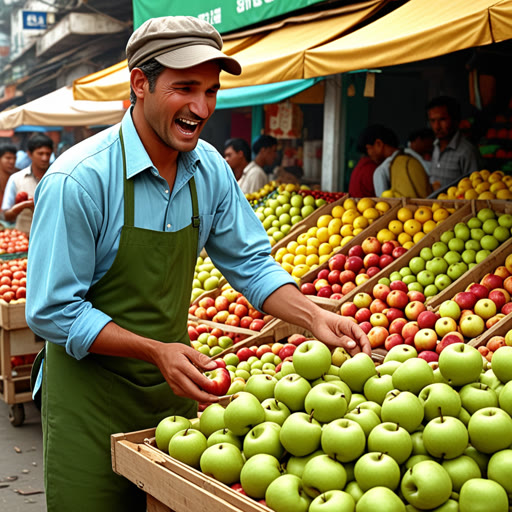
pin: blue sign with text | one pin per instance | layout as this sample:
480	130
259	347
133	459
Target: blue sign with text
34	20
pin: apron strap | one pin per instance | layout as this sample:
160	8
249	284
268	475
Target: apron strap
129	202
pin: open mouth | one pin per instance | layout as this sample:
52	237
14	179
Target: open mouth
187	126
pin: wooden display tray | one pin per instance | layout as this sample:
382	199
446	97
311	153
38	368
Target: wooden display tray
498	329
12	316
169	484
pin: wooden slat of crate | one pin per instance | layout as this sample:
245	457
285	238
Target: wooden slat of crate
498	329
175	485
223	327
12	316
494	260
427	241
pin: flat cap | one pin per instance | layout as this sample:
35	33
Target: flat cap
178	42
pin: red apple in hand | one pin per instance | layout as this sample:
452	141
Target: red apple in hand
21	196
220	380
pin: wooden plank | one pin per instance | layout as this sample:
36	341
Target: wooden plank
153	505
12	316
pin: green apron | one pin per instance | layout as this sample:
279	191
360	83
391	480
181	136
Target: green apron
146	291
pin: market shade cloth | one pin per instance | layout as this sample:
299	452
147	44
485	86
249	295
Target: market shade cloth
60	109
266	57
418	30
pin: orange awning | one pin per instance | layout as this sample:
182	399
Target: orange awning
418	30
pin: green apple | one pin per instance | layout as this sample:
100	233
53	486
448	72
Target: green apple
445	437
356	400
476	395
461	231
311	359
223	462
391	439
489	226
461	469
452	257
261	386
472	326
292	390
400	353
499	469
437	265
275	410
482	494
388	368
326	402
339	356
489	377
188	446
457	244
287	368
464	416
426	253
505	220
425	277
212	419
331	501
336	381
417	287
409	279
469	256
373	406
430	290
418	446
439	249
263	438
427	485
403	408
460	363
417	264
395	276
405	271
502	364
381	499
449	308
300	434
490	430
224	436
482	255
231	359
413	375
455	270
472	245
286	494
440	399
446	236
354	490
376	469
485	213
356	371
366	418
243	412
505	398
343	439
489	243
501	234
296	465
377	386
167	427
322	474
474	222
413	460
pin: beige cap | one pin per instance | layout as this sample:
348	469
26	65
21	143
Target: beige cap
178	42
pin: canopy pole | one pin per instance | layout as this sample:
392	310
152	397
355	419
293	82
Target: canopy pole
333	142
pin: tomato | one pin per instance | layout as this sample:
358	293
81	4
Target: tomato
8	296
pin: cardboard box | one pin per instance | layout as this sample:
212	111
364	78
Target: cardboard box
169	484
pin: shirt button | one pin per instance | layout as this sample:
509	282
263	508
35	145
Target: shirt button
169	226
166	191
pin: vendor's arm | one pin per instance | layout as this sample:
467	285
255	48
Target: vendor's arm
12	213
289	304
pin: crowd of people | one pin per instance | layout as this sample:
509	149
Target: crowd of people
432	159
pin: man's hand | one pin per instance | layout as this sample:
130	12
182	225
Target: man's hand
183	368
337	331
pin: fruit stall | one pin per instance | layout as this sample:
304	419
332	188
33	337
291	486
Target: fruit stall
423	423
18	345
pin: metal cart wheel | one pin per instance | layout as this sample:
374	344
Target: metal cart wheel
17	415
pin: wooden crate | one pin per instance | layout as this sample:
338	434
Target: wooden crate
16	387
498	329
12	316
169	484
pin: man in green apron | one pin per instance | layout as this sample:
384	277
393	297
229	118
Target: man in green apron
118	224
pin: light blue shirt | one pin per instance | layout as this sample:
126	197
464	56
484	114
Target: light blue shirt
79	215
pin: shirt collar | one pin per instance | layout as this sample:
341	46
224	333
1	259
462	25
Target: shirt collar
454	142
137	158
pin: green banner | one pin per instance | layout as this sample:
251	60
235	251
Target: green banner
225	15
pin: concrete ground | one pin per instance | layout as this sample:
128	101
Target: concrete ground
21	462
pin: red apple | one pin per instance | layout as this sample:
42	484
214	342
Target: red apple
348	309
446	340
507	308
246	321
192	333
220	380
323	274
371	244
287	351
397	326
244	353
201	313
365	326
503	272
354	263
348	287
362	315
392	340
263	349
428	355
347	276
337	262
387	248
410	329
492	281
378	306
325	291
221	303
377	336
333	277
398	251
479	290
393	313
336	288
398	285
415	295
427	319
371	260
499	298
398	299
201	328
465	300
308	289
507	284
206	302
336	295
233	320
320	283
241	310
356	250
296	339
385	260
381	291
372	271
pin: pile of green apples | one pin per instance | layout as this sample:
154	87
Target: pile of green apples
456	252
206	277
281	212
395	437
